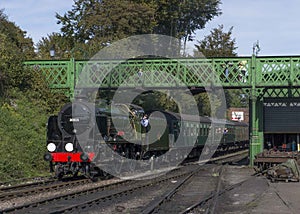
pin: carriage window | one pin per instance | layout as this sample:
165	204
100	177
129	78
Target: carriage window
196	131
205	130
201	130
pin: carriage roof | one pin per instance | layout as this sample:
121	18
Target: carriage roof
203	119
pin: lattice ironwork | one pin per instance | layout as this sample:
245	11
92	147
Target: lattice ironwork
281	92
233	72
58	73
276	72
146	73
239	72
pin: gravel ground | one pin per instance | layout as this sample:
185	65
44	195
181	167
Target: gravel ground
200	186
37	197
48	194
238	200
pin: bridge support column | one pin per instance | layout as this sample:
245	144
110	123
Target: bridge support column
71	72
256	113
256	129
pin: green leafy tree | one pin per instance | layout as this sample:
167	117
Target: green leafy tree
64	48
217	44
61	45
181	19
16	36
236	98
10	64
25	102
15	47
22	137
98	23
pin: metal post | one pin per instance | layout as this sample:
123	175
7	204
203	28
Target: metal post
152	163
253	133
256	137
71	77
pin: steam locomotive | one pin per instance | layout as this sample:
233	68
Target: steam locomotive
81	134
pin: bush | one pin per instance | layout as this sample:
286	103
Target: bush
22	138
25	104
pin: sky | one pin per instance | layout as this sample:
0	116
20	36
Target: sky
274	23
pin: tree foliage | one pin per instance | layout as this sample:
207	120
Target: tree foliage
217	44
25	103
98	23
16	36
15	47
10	64
22	137
181	18
61	45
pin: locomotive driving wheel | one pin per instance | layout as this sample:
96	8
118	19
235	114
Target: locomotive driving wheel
88	173
58	172
132	163
118	165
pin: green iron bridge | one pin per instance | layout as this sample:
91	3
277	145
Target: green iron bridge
260	77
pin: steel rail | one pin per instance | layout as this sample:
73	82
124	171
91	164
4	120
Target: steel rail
115	194
213	195
22	181
97	189
155	204
25	185
34	190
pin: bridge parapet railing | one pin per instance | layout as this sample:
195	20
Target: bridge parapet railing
277	72
143	73
58	74
233	72
236	72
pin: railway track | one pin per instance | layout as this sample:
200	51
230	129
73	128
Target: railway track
209	203
106	192
37	188
21	186
94	197
174	202
4	186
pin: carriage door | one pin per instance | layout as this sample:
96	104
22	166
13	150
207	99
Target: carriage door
174	132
